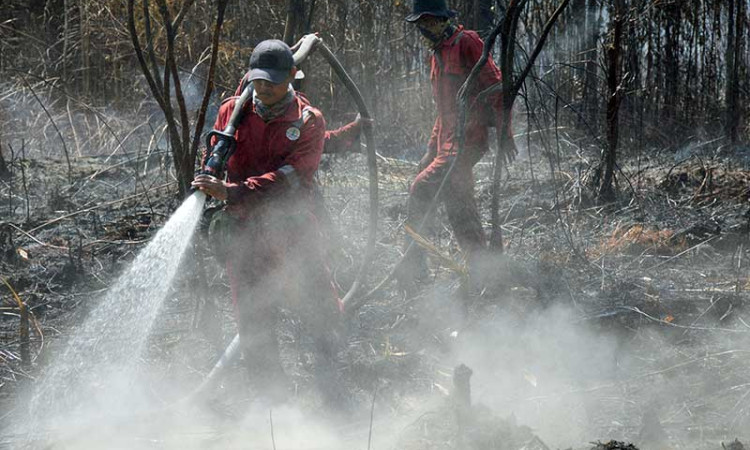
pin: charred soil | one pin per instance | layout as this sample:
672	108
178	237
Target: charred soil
623	321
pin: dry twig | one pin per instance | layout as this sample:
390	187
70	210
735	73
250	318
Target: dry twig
24	331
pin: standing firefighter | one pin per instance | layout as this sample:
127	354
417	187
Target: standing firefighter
454	52
268	231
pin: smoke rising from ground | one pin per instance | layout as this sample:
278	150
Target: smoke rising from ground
525	366
574	378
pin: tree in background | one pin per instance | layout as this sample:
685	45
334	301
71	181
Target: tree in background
511	86
683	69
163	82
606	171
735	47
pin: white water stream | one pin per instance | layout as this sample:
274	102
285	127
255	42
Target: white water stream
94	379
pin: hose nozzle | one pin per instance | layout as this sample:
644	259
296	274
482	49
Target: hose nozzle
225	145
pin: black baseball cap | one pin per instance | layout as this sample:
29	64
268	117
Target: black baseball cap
437	8
272	60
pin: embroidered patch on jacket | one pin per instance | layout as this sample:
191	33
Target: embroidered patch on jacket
293	133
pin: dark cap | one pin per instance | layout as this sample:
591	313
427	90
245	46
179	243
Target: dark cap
272	60
437	8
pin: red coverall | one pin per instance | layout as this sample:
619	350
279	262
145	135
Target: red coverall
342	139
276	259
339	140
451	62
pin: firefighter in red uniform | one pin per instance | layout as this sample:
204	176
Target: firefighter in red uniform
338	141
273	256
342	140
454	52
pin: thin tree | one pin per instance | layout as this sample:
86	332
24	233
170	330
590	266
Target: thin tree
4	172
614	54
590	98
184	147
735	30
510	86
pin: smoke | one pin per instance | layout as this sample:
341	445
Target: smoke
530	367
86	127
574	379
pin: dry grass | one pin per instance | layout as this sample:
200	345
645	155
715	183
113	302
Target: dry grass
639	239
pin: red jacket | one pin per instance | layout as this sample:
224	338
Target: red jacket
277	157
339	140
450	64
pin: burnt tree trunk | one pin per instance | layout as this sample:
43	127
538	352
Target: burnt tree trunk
634	100
367	59
295	20
4	172
85	49
614	54
590	98
672	60
690	70
735	31
511	85
577	45
476	15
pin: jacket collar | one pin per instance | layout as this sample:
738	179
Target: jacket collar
293	111
452	39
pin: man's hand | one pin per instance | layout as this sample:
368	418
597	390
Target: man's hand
363	123
299	43
212	186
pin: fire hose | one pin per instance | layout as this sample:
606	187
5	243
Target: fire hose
225	145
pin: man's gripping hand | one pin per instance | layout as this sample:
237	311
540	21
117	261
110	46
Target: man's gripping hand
212	186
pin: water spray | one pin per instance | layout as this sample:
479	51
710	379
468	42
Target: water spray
87	377
139	292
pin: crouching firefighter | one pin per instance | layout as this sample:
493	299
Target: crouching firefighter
268	232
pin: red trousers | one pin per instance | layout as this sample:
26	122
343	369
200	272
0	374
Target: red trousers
457	195
277	262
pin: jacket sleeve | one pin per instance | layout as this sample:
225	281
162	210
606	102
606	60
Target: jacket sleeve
489	75
297	169
342	139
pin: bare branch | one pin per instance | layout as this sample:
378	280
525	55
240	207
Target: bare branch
54	125
172	69
183	12
156	90
539	45
150	44
201	114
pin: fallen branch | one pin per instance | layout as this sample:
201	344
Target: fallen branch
434	252
24	331
681	253
28	235
101	205
685	327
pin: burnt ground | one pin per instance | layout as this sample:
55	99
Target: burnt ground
623	321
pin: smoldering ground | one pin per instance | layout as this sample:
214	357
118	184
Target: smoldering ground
573	378
570	374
